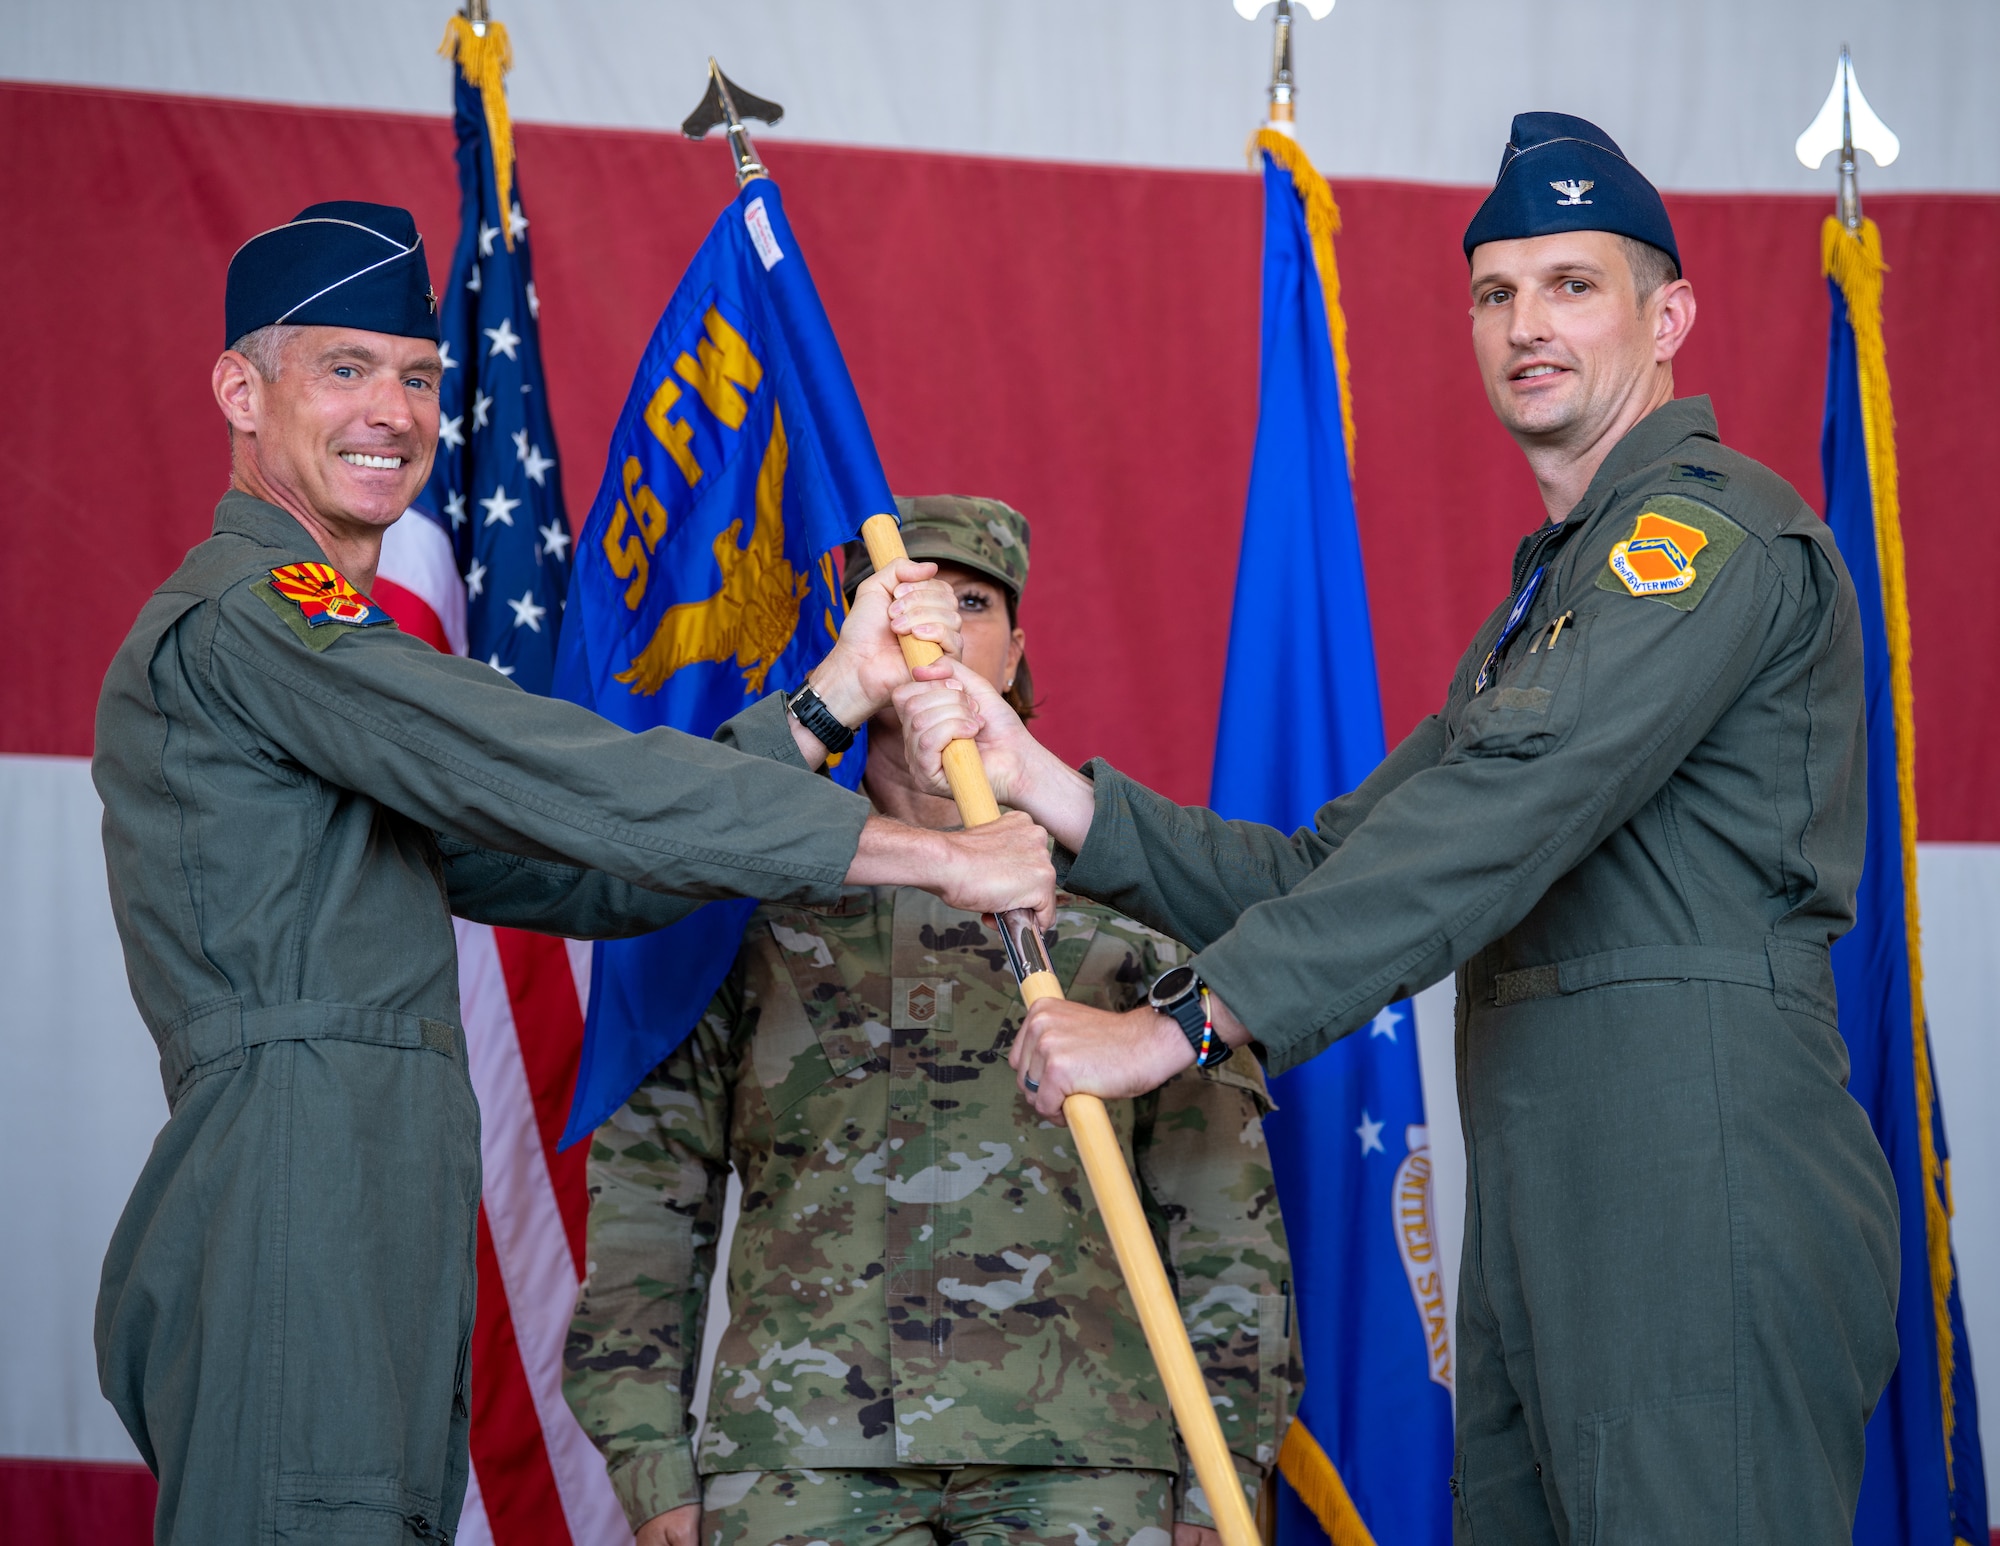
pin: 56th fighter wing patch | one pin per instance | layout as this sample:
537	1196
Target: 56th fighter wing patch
1674	552
318	604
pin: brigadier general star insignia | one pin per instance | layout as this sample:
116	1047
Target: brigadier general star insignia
323	596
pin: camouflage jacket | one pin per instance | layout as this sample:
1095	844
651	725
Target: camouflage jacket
918	1276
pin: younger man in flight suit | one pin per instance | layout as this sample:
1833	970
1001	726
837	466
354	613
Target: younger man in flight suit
1634	829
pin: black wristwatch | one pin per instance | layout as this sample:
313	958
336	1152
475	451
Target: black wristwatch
808	710
1181	994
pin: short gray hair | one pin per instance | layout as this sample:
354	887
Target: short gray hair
264	348
1651	267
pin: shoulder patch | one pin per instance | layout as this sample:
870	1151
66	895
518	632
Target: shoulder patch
1689	472
1673	553
318	604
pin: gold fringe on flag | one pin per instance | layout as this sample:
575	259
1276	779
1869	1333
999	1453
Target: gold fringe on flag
1322	221
1301	1461
1853	261
1316	1480
486	60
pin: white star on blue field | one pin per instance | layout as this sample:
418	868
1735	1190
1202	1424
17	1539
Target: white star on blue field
496	442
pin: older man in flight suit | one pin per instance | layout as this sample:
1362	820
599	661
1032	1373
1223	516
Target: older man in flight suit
1634	828
297	799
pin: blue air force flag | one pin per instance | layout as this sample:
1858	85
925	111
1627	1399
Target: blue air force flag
1302	723
705	575
494	487
1924	1482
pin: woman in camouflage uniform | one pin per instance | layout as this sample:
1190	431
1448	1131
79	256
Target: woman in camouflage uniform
928	1337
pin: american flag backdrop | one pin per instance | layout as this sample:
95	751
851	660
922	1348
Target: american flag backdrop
480	567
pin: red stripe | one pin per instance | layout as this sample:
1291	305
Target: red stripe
549	1023
1114	330
412	613
67	1502
515	1479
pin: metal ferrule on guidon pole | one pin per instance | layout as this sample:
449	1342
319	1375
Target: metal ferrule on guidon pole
1097	1143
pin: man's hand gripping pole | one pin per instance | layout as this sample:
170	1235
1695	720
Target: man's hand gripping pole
1097	1143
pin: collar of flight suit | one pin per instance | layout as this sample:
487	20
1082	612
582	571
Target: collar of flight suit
245	515
1647	442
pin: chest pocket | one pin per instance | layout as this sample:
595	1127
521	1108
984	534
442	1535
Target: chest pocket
1533	704
817	1015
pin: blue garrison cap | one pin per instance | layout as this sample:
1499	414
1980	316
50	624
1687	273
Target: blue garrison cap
343	264
1560	173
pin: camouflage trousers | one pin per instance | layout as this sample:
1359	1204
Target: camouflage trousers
978	1505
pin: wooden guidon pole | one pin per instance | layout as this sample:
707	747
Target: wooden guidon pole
1103	1161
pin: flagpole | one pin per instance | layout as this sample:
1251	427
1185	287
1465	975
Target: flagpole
724	105
1097	1143
1281	68
1851	258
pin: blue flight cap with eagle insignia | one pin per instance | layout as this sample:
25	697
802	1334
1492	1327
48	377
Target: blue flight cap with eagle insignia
341	264
1560	173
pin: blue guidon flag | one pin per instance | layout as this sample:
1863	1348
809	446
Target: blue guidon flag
494	487
705	574
1368	1457
1924	1482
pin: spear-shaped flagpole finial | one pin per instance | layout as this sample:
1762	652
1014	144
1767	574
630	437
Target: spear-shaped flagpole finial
1281	114
1847	123
727	104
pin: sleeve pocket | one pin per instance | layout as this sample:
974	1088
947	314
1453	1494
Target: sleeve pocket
1274	1374
1533	706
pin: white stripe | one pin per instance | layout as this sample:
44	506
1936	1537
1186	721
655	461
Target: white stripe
1958	897
80	1101
81	1083
528	1237
1958	891
417	555
1710	96
474	1528
579	968
1435	1008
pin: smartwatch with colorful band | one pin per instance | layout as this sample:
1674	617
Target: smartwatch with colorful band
1181	994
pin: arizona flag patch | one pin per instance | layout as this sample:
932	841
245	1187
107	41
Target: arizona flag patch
1676	548
323	596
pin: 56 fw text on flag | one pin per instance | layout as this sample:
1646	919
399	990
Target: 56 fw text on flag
704	579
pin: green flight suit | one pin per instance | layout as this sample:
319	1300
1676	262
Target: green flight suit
292	815
1636	843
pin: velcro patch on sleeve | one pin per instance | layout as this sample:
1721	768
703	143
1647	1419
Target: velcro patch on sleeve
1693	472
1673	553
318	604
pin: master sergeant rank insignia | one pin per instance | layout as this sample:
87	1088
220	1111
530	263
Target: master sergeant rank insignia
1676	548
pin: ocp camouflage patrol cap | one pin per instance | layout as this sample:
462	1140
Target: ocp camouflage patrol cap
983	535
